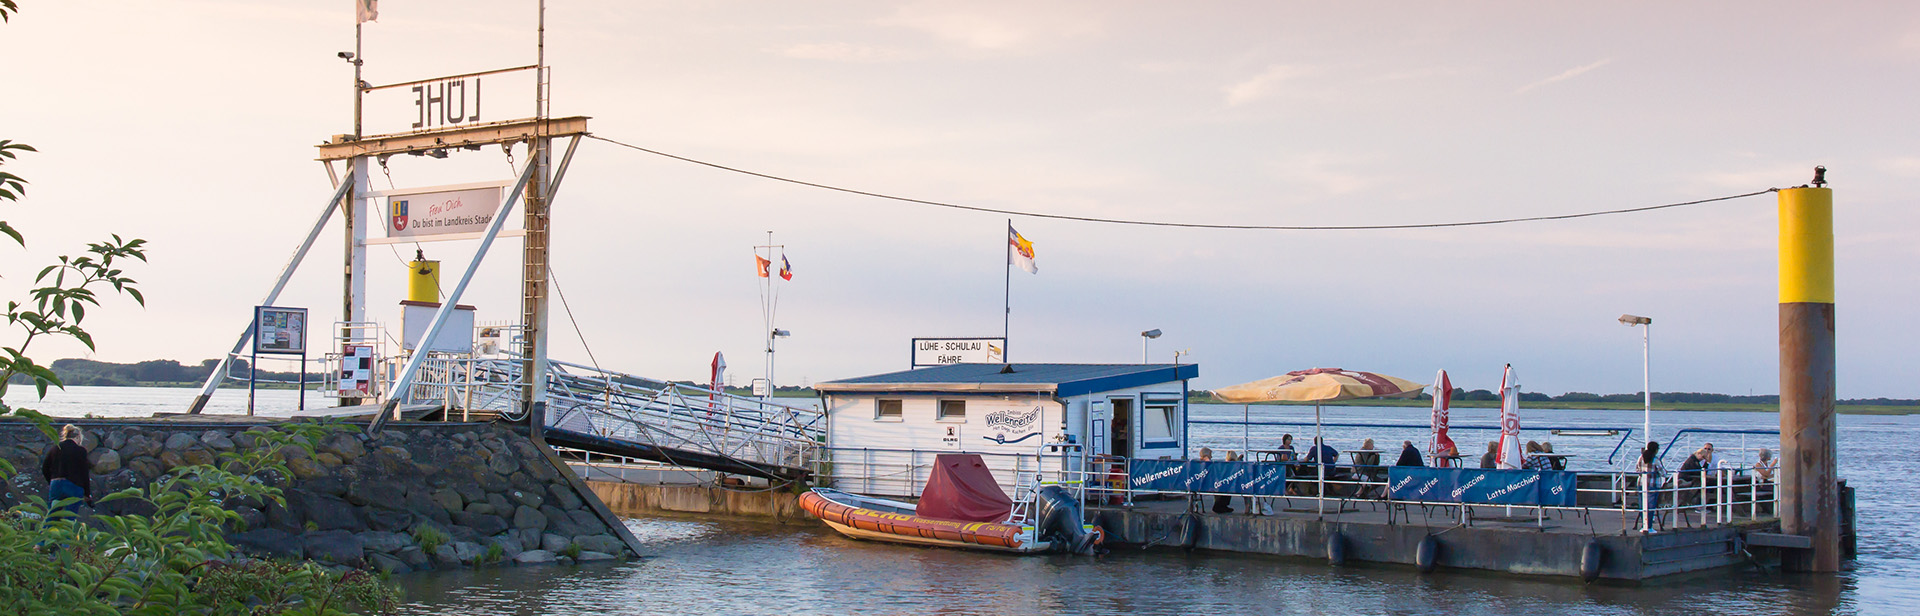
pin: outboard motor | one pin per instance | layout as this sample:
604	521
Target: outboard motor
1059	516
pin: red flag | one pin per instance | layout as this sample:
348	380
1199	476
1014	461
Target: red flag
760	264
1439	441
786	269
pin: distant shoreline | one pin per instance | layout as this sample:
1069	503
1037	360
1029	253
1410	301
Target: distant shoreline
1739	407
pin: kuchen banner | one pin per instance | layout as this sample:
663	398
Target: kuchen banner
440	210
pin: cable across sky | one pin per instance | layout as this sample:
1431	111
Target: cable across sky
1185	225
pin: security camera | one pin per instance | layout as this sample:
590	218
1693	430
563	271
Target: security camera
345	55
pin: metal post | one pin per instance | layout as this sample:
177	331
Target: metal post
219	372
407	373
1646	416
1809	499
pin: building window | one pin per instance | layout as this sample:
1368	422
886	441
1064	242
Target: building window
886	410
1157	423
953	410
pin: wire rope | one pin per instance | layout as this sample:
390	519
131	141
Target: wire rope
1185	225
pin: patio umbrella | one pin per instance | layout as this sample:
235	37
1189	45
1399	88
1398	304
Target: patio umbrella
1510	455
1442	397
1319	385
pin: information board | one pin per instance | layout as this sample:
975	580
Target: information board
280	330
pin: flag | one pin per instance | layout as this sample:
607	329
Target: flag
1442	395
366	10
1020	251
760	265
786	269
719	370
1510	455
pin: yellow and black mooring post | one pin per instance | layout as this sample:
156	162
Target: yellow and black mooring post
1808	494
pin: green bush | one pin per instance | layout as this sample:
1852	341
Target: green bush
177	560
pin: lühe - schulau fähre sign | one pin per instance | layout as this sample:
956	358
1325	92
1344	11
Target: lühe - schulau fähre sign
944	351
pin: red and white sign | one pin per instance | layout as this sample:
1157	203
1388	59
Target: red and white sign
440	210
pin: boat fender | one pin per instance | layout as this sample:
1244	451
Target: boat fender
1336	548
1428	555
1590	560
1190	532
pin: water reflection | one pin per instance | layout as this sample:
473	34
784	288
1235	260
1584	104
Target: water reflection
709	567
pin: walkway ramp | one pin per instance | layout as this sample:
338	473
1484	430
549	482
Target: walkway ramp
621	414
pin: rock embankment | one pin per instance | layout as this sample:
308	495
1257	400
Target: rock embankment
416	496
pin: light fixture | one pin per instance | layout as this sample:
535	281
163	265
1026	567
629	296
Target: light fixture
1144	337
781	333
1632	320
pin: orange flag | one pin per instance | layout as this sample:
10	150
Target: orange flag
760	264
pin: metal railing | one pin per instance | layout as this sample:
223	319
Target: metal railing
904	472
669	417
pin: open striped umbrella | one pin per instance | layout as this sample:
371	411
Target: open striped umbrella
1319	385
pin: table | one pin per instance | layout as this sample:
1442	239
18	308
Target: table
1274	455
1354	454
1555	461
1453	461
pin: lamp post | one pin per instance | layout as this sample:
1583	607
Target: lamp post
1144	337
1646	413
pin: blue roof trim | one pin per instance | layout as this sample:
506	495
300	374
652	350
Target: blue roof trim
1064	379
1161	374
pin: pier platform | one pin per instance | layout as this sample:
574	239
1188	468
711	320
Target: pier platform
1493	538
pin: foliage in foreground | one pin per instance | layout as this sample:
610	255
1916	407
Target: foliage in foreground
176	559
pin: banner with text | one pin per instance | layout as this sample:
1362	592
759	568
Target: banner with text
1481	486
427	212
943	351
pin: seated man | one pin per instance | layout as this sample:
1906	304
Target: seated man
1692	475
1409	456
1325	456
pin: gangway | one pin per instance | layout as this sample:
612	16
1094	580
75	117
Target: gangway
621	414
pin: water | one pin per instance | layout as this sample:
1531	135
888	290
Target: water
701	566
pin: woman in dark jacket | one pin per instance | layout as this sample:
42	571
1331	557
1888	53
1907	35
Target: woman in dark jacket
66	470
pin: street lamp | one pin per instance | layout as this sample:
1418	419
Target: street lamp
1144	337
1646	413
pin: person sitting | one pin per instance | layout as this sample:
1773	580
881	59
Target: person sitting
1764	469
1366	457
1491	459
1534	461
1287	453
1559	463
1409	456
1221	503
1692	474
1322	454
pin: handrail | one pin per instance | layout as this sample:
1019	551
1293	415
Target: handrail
1625	432
1664	451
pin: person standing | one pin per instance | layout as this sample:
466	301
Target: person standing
66	470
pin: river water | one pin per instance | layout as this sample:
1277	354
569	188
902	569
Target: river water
706	566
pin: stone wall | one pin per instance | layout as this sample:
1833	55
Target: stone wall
357	501
646	498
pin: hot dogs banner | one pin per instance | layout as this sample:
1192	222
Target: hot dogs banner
1440	485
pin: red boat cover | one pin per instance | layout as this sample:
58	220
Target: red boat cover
962	489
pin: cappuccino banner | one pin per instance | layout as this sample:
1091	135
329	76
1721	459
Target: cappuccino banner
1414	483
1481	486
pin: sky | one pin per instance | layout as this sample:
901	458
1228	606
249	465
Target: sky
192	124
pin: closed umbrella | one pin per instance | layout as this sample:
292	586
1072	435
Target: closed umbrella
1510	455
1442	396
1319	385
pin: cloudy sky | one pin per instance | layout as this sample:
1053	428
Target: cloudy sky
192	124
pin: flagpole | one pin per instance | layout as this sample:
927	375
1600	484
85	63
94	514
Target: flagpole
1006	297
